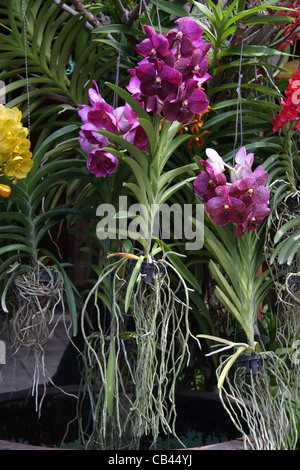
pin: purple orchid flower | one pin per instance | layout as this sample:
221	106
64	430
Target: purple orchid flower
101	163
256	214
191	101
195	67
126	116
137	136
207	181
158	79
187	35
253	188
224	208
156	46
204	186
89	138
100	114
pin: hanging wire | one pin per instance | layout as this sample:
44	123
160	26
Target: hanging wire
239	116
25	21
239	122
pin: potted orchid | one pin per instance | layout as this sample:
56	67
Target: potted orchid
241	286
242	201
165	91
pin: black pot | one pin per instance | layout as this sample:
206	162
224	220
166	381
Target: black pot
146	268
254	363
293	204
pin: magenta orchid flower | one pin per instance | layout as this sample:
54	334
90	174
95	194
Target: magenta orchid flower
224	208
100	114
186	35
166	81
158	79
90	138
213	175
252	188
192	101
243	202
137	136
205	186
195	67
101	163
156	46
256	214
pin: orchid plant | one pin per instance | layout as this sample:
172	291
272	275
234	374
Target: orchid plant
166	83
237	255
165	91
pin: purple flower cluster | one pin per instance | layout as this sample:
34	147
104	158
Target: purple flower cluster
100	115
168	79
243	201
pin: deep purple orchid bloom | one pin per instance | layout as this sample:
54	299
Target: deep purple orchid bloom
187	36
256	214
101	163
156	46
253	188
194	67
158	79
206	182
191	101
224	208
204	186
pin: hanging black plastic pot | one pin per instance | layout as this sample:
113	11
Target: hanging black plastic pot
253	363
148	269
293	204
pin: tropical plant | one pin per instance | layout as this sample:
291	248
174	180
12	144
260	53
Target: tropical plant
133	136
34	278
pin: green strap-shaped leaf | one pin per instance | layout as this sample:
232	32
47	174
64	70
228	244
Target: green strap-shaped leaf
225	286
132	282
286	227
140	111
110	378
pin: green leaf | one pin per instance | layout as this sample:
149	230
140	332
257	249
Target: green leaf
167	177
110	378
251	51
269	19
288	248
132	282
242	15
116	28
225	286
285	228
138	154
140	111
240	350
151	134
